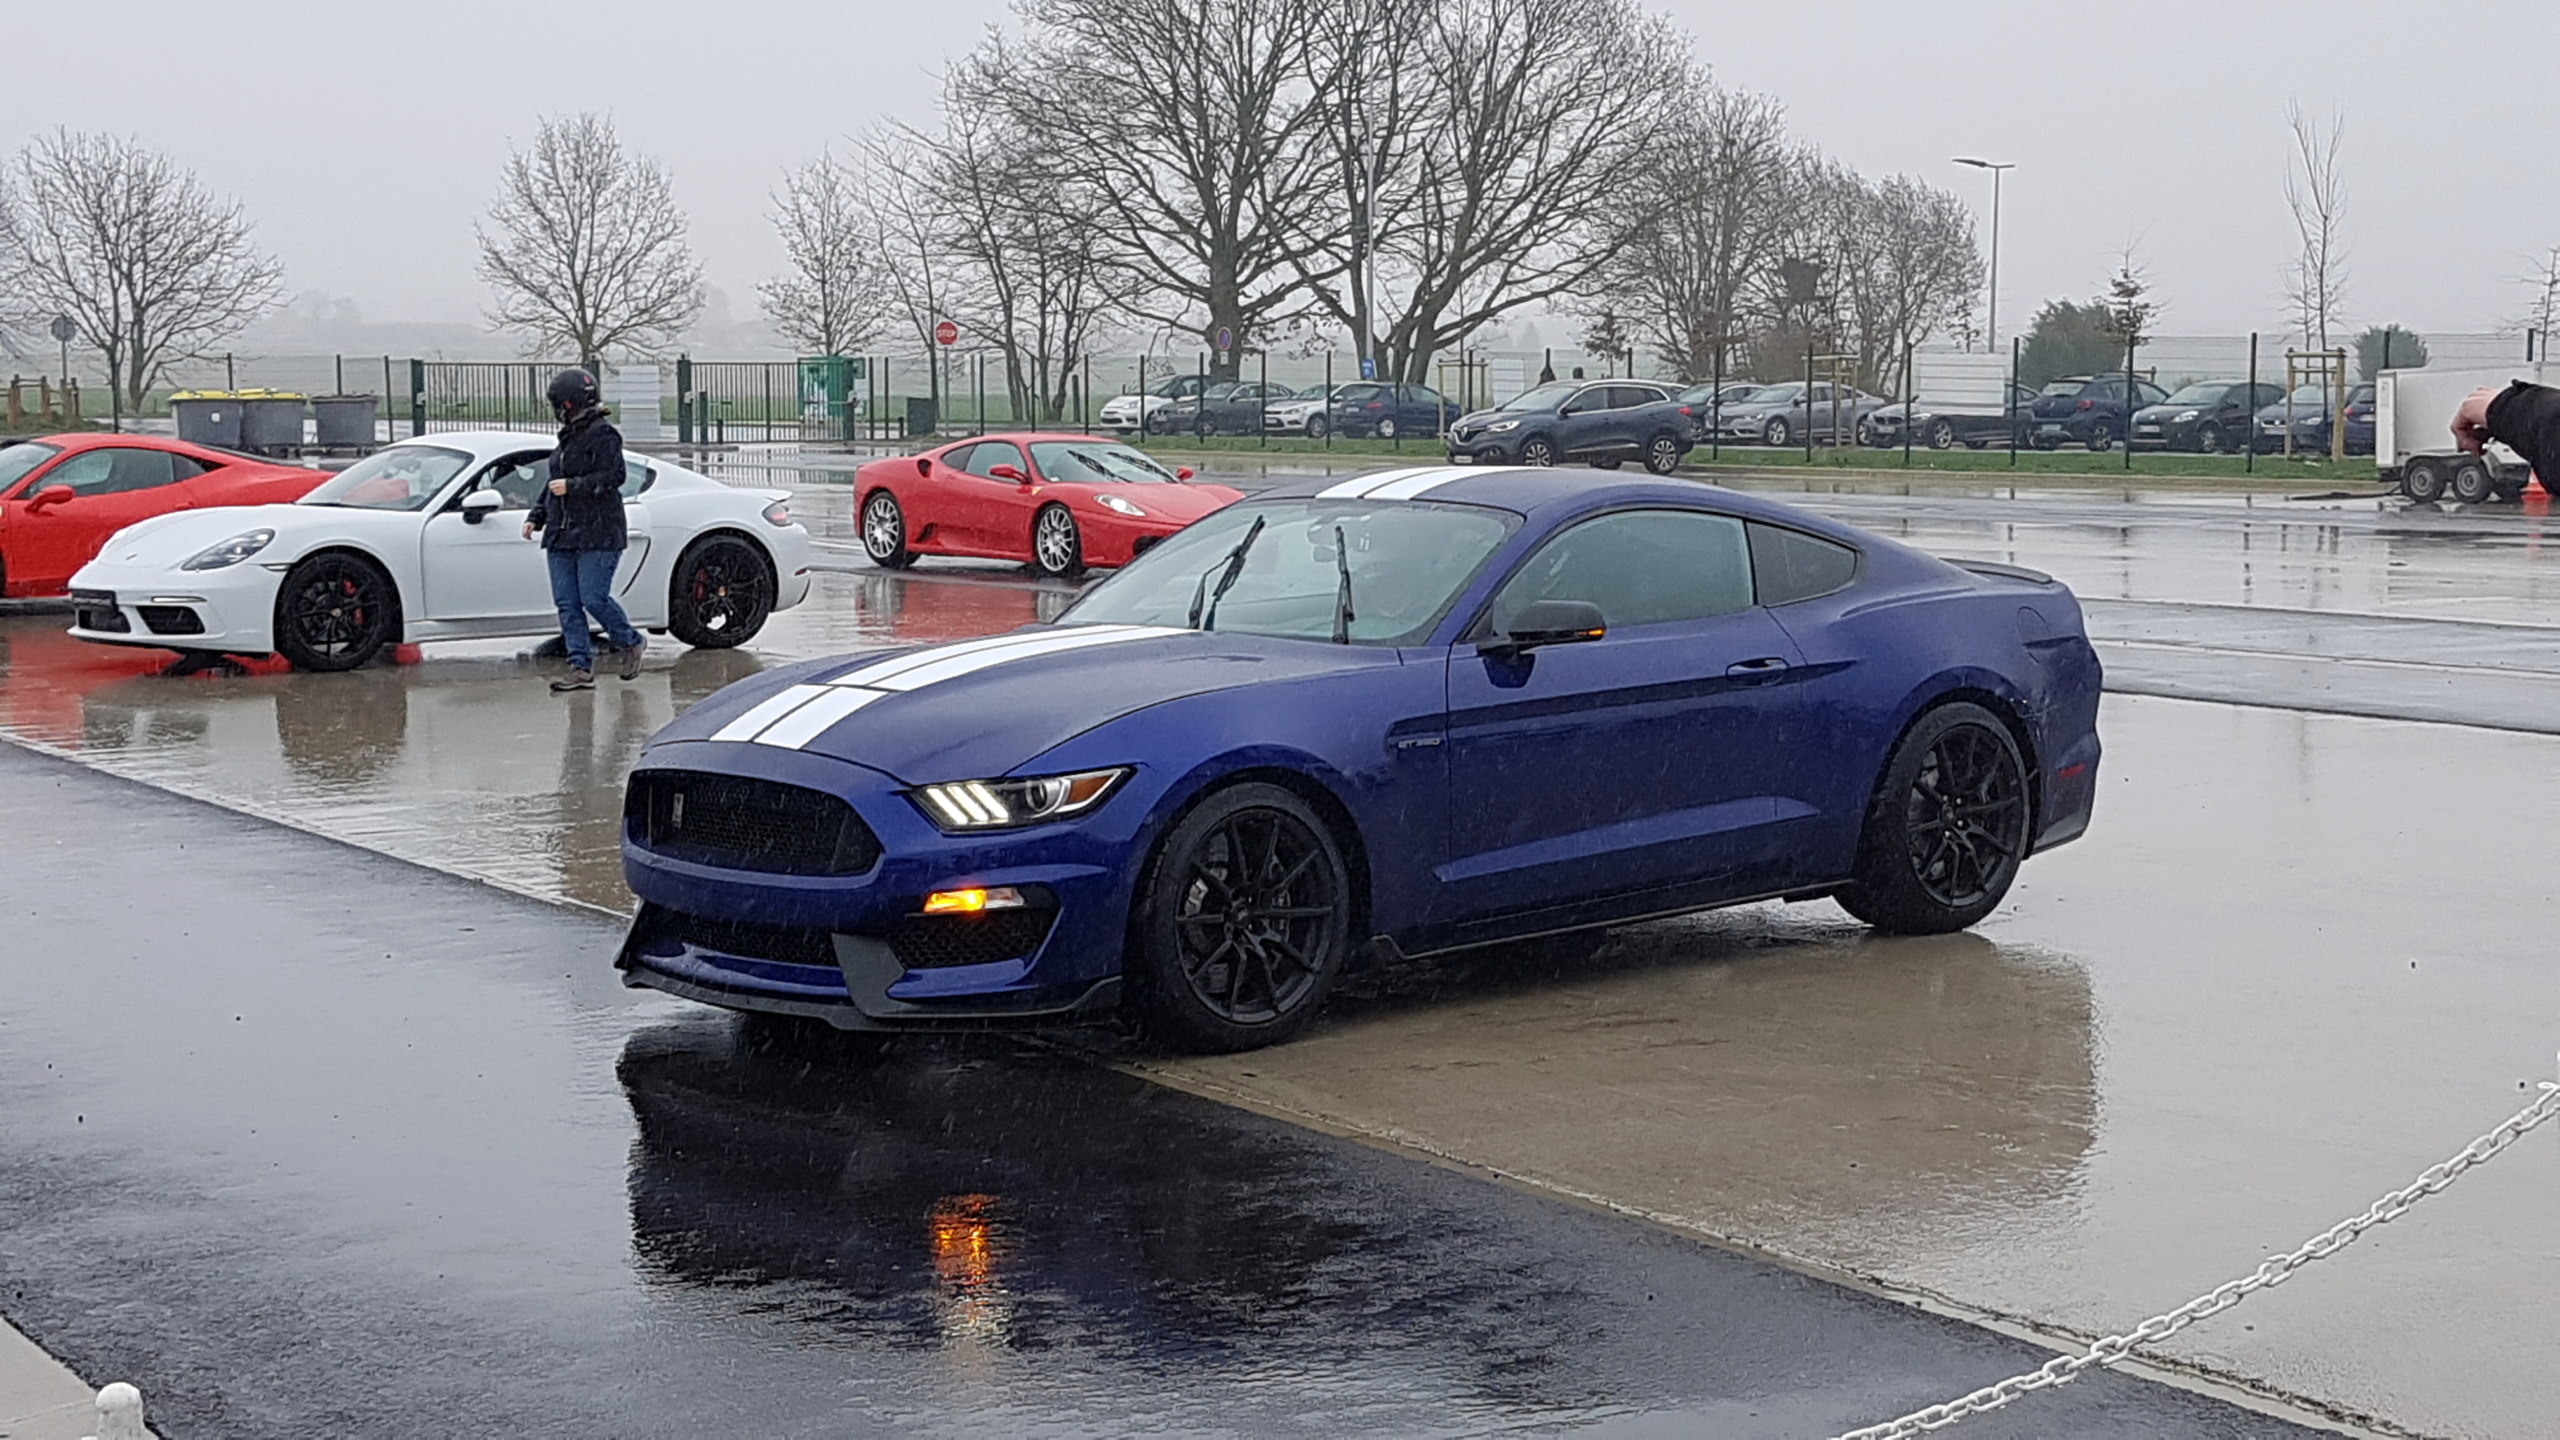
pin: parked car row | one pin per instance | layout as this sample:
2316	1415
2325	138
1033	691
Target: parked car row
1206	405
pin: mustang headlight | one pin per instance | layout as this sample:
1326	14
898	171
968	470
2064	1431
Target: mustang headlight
230	552
1009	804
1114	502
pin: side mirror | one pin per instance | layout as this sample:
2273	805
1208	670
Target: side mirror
51	495
1184	472
1548	622
479	505
1008	472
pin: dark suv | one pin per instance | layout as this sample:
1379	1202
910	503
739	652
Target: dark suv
2088	409
1387	411
2210	416
1606	422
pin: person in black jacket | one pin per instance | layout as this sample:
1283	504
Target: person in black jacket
580	516
2525	416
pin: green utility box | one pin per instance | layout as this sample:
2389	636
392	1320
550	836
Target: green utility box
828	385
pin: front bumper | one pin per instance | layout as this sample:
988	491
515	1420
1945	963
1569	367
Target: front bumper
231	610
854	949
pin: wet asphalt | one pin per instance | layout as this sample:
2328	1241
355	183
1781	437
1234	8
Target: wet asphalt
312	1141
2189	1040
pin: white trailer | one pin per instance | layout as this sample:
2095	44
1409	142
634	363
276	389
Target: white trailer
2413	435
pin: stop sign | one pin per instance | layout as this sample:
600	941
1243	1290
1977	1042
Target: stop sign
946	333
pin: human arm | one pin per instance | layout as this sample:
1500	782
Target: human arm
2524	416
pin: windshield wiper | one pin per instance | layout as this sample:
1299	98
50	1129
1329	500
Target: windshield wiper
1342	612
1235	567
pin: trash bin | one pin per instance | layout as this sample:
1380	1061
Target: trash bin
921	418
343	421
207	417
271	421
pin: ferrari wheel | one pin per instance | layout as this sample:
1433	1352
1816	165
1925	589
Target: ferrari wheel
884	532
335	612
722	593
1242	924
1057	547
1947	829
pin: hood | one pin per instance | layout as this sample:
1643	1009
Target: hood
985	708
172	538
1184	502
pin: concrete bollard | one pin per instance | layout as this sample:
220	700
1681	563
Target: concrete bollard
120	1414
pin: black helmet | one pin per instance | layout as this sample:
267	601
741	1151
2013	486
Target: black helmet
572	390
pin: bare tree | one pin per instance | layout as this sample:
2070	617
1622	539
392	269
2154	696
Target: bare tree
2316	192
589	250
1715	210
152	266
1193	117
2542	311
893	168
830	301
1924	272
1026	227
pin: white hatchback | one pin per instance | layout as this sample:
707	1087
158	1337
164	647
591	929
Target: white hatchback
423	540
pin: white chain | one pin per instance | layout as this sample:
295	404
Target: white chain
2222	1297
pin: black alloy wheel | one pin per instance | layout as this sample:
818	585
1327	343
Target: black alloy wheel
1948	826
335	612
722	593
1537	450
1663	455
884	532
1942	434
1243	923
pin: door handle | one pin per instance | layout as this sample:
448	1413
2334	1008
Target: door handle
1760	669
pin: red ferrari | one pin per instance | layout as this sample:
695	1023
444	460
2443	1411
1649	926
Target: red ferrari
1059	502
63	495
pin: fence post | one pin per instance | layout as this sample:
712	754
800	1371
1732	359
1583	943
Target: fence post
684	399
2249	452
2129	393
1910	404
390	417
1808	400
230	378
1327	411
1261	431
417	398
1715	397
2015	354
341	385
1084	397
978	403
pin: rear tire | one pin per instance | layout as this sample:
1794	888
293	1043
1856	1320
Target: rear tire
2471	483
2423	481
2208	439
1663	455
335	611
1318	427
1947	828
884	532
721	594
1242	923
1942	435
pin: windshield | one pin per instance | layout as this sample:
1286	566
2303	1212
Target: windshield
2308	395
1315	392
18	461
1772	395
2198	394
1543	397
1094	462
404	477
1408	561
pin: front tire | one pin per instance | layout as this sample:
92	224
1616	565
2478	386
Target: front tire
2209	439
1776	434
1537	450
1318	427
1942	434
2471	483
335	612
1057	545
721	594
2423	481
1242	923
884	532
1947	828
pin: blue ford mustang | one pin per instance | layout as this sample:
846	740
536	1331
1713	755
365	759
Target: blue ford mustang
1380	717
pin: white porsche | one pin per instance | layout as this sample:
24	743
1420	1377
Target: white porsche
424	540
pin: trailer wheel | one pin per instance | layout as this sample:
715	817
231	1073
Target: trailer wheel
2471	482
2422	480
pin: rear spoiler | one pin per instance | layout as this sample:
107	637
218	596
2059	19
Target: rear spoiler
1995	568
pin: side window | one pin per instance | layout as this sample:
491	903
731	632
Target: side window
1627	397
988	454
517	481
1791	565
114	469
958	457
1423	397
187	467
1586	401
1641	567
636	476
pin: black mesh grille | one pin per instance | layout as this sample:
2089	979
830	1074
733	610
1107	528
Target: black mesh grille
172	619
740	823
97	611
930	942
788	944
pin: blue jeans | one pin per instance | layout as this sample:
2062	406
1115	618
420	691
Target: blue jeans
582	585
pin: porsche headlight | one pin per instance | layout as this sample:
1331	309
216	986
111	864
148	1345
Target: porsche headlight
1498	426
1010	804
1114	502
230	552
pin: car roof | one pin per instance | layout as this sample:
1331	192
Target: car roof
1026	437
1529	489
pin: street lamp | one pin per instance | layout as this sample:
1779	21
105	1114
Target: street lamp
1995	167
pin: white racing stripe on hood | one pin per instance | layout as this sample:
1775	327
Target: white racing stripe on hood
793	717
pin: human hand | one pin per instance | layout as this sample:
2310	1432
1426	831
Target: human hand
2471	420
559	487
528	529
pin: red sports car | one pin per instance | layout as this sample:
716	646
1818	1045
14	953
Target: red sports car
1060	502
63	495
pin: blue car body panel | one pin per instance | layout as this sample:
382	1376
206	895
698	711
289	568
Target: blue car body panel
1663	768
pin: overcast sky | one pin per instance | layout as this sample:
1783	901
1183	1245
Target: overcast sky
365	138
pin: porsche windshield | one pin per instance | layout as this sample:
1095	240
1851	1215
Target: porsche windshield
404	477
1407	562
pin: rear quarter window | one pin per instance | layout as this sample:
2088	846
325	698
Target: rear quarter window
1789	565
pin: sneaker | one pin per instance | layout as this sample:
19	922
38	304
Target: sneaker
631	658
574	680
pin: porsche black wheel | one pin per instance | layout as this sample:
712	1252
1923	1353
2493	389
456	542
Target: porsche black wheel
722	593
335	612
884	532
1947	829
1242	924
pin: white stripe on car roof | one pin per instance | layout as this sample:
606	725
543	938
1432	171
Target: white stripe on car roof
1359	486
1418	485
